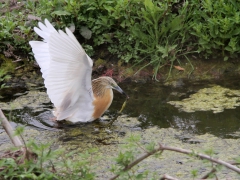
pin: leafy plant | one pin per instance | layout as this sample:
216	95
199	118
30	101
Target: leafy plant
216	27
144	33
159	34
47	163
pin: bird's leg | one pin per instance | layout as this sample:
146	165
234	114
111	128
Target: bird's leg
54	119
112	121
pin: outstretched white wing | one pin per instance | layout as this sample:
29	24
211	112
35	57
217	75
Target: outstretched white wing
66	70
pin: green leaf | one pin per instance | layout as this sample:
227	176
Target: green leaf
236	31
60	13
225	58
150	147
19	130
163	50
176	24
149	4
194	173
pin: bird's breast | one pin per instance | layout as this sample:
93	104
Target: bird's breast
102	103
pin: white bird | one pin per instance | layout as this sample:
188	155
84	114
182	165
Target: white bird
66	70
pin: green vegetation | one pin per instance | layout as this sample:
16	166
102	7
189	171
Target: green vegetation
45	165
215	99
216	27
42	161
6	66
144	33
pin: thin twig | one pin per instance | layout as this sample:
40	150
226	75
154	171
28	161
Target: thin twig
144	150
53	167
136	161
17	60
210	173
19	67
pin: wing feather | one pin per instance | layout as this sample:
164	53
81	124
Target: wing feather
66	71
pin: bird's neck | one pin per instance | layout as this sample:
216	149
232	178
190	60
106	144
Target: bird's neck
102	102
98	88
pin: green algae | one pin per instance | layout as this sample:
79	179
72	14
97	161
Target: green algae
81	138
109	141
215	98
33	99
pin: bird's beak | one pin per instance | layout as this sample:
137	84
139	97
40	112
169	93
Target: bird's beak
117	88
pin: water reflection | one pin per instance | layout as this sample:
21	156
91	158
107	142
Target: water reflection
148	102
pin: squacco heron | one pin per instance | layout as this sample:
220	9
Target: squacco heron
66	70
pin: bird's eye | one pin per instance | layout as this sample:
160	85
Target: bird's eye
113	85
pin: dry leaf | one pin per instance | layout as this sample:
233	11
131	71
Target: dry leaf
179	68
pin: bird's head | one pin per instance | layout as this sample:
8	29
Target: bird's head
109	83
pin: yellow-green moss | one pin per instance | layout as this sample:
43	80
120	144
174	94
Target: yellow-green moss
6	65
99	62
214	99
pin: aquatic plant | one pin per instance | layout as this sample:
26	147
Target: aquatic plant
215	98
43	162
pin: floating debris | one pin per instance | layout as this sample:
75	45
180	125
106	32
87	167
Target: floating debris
214	99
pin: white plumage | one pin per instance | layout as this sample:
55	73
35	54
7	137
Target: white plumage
66	70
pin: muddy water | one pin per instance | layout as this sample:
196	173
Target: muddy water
147	114
148	102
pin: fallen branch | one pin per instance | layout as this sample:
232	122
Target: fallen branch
202	156
9	130
24	151
161	148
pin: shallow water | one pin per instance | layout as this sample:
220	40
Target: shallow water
147	115
148	102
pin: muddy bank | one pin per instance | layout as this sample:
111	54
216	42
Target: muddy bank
110	141
28	75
